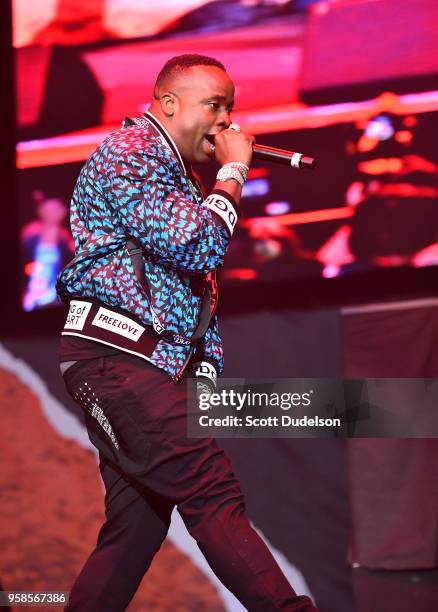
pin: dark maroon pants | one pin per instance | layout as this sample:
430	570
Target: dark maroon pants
136	417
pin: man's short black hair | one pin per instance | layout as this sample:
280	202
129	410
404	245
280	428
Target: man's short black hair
179	63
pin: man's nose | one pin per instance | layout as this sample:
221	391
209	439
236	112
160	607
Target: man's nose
224	120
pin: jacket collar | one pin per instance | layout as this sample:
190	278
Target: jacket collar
168	140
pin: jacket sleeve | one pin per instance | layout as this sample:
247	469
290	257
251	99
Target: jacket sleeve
148	199
208	358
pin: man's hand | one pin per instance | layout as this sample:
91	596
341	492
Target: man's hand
204	387
233	146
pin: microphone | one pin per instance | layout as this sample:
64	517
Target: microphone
282	156
279	156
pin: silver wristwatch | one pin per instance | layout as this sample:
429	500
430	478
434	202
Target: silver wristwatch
226	173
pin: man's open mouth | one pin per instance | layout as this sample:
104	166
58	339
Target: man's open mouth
209	139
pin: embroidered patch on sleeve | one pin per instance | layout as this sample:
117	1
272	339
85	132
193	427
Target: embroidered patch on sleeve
222	207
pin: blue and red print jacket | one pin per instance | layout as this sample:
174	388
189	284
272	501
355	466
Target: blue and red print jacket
136	186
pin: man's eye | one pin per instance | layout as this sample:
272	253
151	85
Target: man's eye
214	105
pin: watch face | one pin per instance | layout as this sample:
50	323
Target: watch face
227	173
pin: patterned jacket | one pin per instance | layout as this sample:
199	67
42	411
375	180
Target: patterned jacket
136	186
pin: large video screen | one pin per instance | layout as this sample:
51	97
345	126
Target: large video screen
371	202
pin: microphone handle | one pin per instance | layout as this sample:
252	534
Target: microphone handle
281	156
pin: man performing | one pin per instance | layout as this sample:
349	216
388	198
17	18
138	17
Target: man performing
142	294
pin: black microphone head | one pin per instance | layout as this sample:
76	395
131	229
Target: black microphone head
307	162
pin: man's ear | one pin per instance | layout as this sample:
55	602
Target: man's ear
168	102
